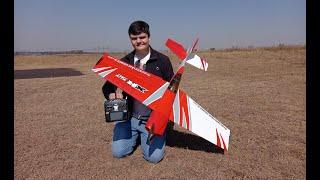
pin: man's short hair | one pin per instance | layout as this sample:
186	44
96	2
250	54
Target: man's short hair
138	27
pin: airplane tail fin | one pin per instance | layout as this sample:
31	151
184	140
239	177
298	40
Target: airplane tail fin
192	59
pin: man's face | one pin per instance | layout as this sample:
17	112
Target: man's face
140	42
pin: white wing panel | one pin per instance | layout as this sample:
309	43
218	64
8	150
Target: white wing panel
190	115
207	126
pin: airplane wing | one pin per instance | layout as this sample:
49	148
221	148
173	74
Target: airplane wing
148	89
191	116
143	86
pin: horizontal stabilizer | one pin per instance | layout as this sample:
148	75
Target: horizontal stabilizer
197	62
180	51
177	49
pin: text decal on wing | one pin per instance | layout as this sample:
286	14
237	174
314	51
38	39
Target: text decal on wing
131	83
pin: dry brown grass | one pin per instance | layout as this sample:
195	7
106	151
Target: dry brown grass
60	133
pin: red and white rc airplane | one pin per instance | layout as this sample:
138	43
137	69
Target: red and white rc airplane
164	98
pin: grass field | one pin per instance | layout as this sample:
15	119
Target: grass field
259	94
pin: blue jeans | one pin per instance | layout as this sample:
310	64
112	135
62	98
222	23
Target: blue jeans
125	135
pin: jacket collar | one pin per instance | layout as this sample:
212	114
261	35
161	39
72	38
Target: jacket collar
153	55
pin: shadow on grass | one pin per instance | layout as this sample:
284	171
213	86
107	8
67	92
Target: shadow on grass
45	73
190	141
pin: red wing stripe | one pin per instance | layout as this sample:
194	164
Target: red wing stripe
202	62
184	111
224	145
194	45
218	139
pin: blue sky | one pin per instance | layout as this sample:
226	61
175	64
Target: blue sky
53	25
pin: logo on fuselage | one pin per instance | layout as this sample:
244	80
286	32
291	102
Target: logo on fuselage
131	83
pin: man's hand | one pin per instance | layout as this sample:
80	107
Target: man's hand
117	94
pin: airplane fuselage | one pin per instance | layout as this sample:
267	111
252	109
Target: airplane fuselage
159	117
